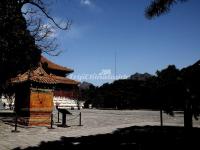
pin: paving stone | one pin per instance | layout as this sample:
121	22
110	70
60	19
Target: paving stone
94	122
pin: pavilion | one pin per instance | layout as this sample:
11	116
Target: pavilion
40	88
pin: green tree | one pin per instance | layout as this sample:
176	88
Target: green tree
170	90
157	8
191	81
20	47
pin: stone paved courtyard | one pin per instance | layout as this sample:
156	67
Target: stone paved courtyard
94	122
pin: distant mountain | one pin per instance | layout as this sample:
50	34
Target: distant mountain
197	63
85	85
140	76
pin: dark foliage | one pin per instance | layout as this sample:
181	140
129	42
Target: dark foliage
159	7
18	49
191	79
170	90
21	40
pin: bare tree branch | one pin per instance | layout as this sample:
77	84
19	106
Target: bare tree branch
68	23
42	32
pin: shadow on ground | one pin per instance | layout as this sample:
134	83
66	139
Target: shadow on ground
138	138
7	114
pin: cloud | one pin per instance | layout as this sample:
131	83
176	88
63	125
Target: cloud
86	2
91	5
51	31
76	32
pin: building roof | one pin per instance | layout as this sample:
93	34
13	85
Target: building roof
39	75
36	75
53	66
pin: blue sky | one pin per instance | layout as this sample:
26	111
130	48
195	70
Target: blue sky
102	27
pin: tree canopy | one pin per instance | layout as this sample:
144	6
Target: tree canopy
20	49
159	7
170	89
